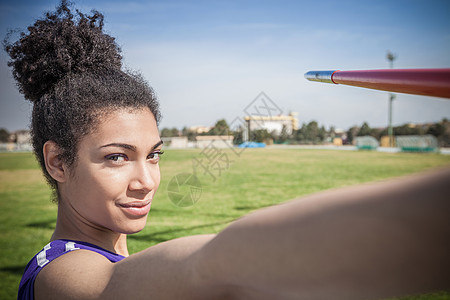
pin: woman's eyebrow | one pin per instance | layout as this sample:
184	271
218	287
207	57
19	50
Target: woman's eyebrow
157	145
120	145
130	147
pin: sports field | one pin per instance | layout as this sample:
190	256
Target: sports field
237	184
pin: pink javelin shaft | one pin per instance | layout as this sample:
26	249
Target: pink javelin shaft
427	82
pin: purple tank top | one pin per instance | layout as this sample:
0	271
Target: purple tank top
51	251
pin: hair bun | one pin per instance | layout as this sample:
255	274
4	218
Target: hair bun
59	45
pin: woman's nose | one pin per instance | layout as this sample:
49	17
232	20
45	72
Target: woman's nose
143	179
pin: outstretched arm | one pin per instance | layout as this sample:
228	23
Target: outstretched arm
366	242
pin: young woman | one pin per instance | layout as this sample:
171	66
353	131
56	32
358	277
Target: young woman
95	134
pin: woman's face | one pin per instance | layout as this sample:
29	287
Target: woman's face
116	175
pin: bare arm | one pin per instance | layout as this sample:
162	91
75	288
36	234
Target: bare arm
366	242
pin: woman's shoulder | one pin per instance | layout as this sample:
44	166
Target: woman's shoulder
82	274
58	267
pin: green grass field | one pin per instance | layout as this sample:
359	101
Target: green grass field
254	179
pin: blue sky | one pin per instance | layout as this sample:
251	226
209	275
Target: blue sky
208	60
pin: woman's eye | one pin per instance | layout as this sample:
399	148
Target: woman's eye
117	157
155	156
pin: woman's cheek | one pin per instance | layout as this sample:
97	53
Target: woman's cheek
111	181
157	176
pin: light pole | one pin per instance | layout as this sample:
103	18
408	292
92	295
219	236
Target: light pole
391	57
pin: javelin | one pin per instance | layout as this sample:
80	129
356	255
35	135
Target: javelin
427	82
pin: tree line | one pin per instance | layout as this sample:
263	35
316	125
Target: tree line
314	133
308	133
441	130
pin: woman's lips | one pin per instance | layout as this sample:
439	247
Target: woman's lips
137	208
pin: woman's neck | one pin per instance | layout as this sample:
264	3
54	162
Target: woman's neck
70	227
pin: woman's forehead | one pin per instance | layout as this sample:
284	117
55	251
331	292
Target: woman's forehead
125	126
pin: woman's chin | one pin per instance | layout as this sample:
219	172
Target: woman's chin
135	227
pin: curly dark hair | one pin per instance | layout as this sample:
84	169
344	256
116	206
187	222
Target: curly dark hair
72	72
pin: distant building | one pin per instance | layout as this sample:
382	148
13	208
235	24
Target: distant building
200	129
215	141
23	140
201	141
178	142
19	140
23	137
339	137
273	123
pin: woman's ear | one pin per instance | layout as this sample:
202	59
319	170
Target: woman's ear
53	162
